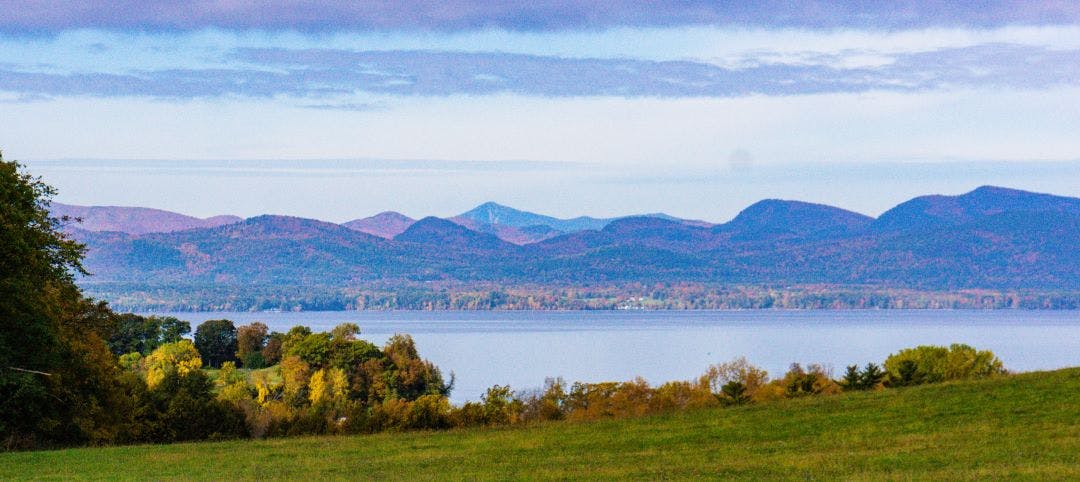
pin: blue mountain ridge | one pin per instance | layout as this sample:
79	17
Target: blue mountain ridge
988	238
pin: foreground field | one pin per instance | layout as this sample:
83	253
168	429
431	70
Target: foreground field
1024	426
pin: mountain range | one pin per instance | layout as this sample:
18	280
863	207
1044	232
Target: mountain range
506	223
134	220
992	237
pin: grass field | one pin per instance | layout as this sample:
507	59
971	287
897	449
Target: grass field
1020	427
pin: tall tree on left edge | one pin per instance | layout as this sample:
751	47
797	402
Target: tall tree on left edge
59	383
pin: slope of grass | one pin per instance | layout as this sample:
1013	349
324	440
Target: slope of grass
1025	426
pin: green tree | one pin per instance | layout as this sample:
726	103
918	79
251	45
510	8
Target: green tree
932	364
183	407
172	329
58	381
313	349
852	378
735	393
866	379
293	336
139	334
871	376
216	342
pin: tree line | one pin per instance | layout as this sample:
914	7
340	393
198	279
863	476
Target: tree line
337	383
667	296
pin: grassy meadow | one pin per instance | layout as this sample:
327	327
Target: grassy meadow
1025	426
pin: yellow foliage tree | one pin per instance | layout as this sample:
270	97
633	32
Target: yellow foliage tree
319	388
328	386
263	386
340	385
180	358
295	374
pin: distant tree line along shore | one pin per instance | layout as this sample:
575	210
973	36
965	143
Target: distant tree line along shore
660	296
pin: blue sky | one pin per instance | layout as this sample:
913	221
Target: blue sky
338	110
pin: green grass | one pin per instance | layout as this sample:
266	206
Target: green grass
1019	427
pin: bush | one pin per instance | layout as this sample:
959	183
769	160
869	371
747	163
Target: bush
428	412
548	403
933	364
814	380
750	377
253	360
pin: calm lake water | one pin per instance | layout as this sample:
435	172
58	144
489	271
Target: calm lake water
523	348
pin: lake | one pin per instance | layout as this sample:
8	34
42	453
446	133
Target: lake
522	348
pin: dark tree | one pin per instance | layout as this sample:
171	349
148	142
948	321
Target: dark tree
134	334
139	334
271	352
734	393
57	377
909	374
852	378
173	329
871	376
216	342
250	341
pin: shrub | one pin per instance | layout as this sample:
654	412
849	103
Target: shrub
813	380
868	378
933	364
752	378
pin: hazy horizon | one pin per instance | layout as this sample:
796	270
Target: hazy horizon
343	190
562	108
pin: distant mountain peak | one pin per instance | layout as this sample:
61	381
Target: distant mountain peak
998	190
447	234
494	213
934	210
386	224
493	205
274	226
134	220
779	217
391	215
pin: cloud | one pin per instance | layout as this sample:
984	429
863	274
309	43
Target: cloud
346	106
328	74
296	167
30	16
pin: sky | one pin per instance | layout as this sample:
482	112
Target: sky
339	110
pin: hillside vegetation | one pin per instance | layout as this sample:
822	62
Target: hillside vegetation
1025	426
